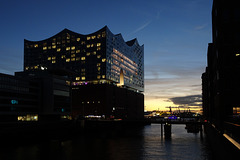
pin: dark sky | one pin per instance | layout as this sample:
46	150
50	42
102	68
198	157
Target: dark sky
175	34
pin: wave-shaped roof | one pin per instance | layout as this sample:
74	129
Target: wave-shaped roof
105	28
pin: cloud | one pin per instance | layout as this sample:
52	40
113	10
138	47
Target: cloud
200	27
192	100
141	27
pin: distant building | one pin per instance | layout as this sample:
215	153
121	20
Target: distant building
104	69
221	87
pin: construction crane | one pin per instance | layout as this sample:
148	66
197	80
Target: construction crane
170	109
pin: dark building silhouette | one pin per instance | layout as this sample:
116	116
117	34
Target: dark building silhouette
37	96
107	73
221	81
18	97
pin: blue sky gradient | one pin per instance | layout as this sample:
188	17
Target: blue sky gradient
175	34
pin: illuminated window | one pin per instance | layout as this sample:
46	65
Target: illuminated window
26	68
73	51
94	53
103	76
73	55
49	58
98	56
53	57
104	60
88	38
77	78
237	54
99	36
67	48
28	118
83	58
63	56
73	48
49	47
59	49
68	60
93	37
98	44
72	59
236	110
98	68
68	36
83	42
83	78
98	48
98	64
103	34
77	51
98	77
88	54
44	48
83	70
53	46
88	46
35	67
78	39
58	42
35	45
54	61
92	45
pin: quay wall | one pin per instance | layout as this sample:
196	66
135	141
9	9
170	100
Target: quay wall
222	148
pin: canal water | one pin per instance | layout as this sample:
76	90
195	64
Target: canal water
133	143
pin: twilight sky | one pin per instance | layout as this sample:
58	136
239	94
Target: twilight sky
175	34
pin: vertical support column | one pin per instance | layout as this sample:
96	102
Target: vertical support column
161	129
167	130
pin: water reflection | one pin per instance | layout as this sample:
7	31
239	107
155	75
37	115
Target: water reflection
132	143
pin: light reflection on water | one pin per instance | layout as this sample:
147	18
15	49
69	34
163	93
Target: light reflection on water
143	143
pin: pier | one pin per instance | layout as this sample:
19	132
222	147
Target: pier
192	125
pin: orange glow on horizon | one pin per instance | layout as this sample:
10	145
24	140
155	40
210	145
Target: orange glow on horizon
163	104
157	104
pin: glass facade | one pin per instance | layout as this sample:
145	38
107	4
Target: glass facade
125	57
95	58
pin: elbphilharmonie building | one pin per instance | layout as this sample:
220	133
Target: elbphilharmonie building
107	73
99	57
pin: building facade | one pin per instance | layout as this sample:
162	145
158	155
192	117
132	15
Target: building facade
221	87
100	57
38	96
19	97
97	62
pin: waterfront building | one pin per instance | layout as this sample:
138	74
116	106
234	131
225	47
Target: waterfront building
38	96
55	93
100	59
221	87
19	98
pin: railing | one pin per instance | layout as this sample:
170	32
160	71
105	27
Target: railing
233	130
